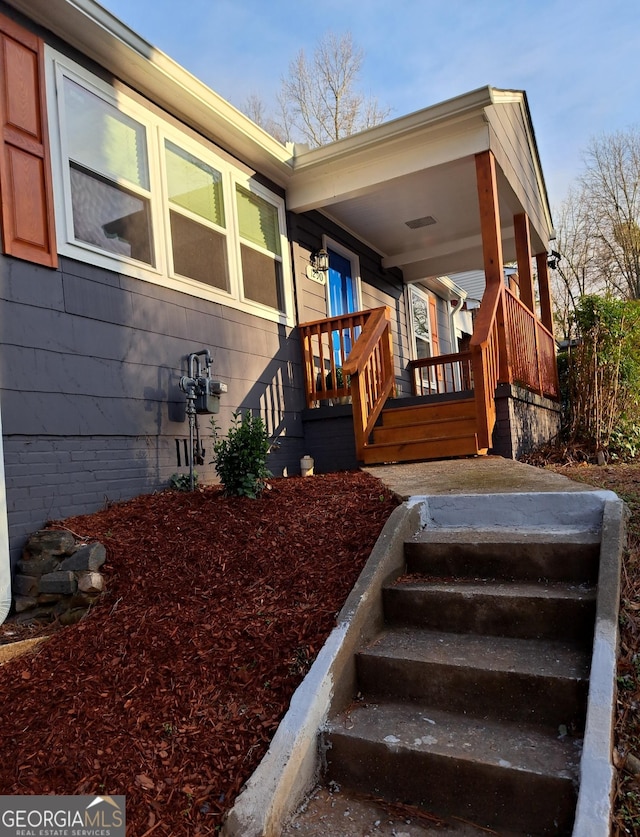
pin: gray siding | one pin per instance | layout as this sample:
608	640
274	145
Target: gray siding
89	372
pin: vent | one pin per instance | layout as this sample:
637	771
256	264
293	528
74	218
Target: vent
427	221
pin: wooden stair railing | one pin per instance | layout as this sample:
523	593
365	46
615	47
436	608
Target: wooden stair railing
370	368
325	344
532	357
489	359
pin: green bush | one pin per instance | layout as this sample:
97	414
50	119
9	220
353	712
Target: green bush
241	457
182	482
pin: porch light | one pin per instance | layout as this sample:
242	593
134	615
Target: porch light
553	259
318	266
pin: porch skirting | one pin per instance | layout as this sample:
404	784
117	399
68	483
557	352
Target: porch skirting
524	421
329	438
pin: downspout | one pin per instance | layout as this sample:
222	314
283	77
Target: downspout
5	560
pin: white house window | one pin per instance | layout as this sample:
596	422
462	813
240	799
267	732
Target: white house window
421	323
140	196
108	174
196	218
260	249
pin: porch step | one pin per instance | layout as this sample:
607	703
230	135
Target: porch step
497	774
491	553
421	448
550	610
457	426
440	411
505	678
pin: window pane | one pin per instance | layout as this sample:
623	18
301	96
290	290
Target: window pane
110	217
258	220
199	252
261	275
194	185
103	139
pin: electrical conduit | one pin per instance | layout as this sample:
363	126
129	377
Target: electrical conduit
5	560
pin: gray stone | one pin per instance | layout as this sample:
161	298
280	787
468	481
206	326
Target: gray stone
53	541
89	582
87	558
38	566
23	603
59	582
25	585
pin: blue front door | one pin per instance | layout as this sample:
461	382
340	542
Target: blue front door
342	299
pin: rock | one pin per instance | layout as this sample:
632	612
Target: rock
71	617
83	600
87	558
23	603
49	598
90	582
53	541
25	585
59	582
37	566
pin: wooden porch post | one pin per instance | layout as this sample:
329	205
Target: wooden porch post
489	217
523	255
492	244
546	310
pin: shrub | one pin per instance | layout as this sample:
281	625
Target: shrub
182	482
241	457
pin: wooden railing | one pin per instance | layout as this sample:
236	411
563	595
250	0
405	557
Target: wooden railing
487	346
370	368
442	374
530	349
325	346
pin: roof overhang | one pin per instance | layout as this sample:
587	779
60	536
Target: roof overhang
98	34
409	187
385	184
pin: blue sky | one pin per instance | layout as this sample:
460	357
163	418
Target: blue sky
578	60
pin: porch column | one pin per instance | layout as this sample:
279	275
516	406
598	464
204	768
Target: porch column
546	308
523	256
489	217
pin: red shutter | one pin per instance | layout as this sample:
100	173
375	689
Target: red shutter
25	171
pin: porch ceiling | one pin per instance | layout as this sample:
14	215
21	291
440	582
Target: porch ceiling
423	166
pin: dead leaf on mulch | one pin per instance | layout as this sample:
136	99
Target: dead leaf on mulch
170	690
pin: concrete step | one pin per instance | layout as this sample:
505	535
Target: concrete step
507	554
506	678
544	610
492	774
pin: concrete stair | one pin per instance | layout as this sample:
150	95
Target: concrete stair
472	698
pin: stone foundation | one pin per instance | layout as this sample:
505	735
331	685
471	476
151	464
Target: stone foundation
57	577
524	421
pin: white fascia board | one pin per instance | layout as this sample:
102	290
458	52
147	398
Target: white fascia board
356	170
96	33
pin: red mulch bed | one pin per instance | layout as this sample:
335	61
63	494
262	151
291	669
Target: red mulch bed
170	690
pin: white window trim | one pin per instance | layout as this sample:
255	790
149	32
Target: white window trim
330	244
157	129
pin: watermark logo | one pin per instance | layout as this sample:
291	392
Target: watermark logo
62	816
